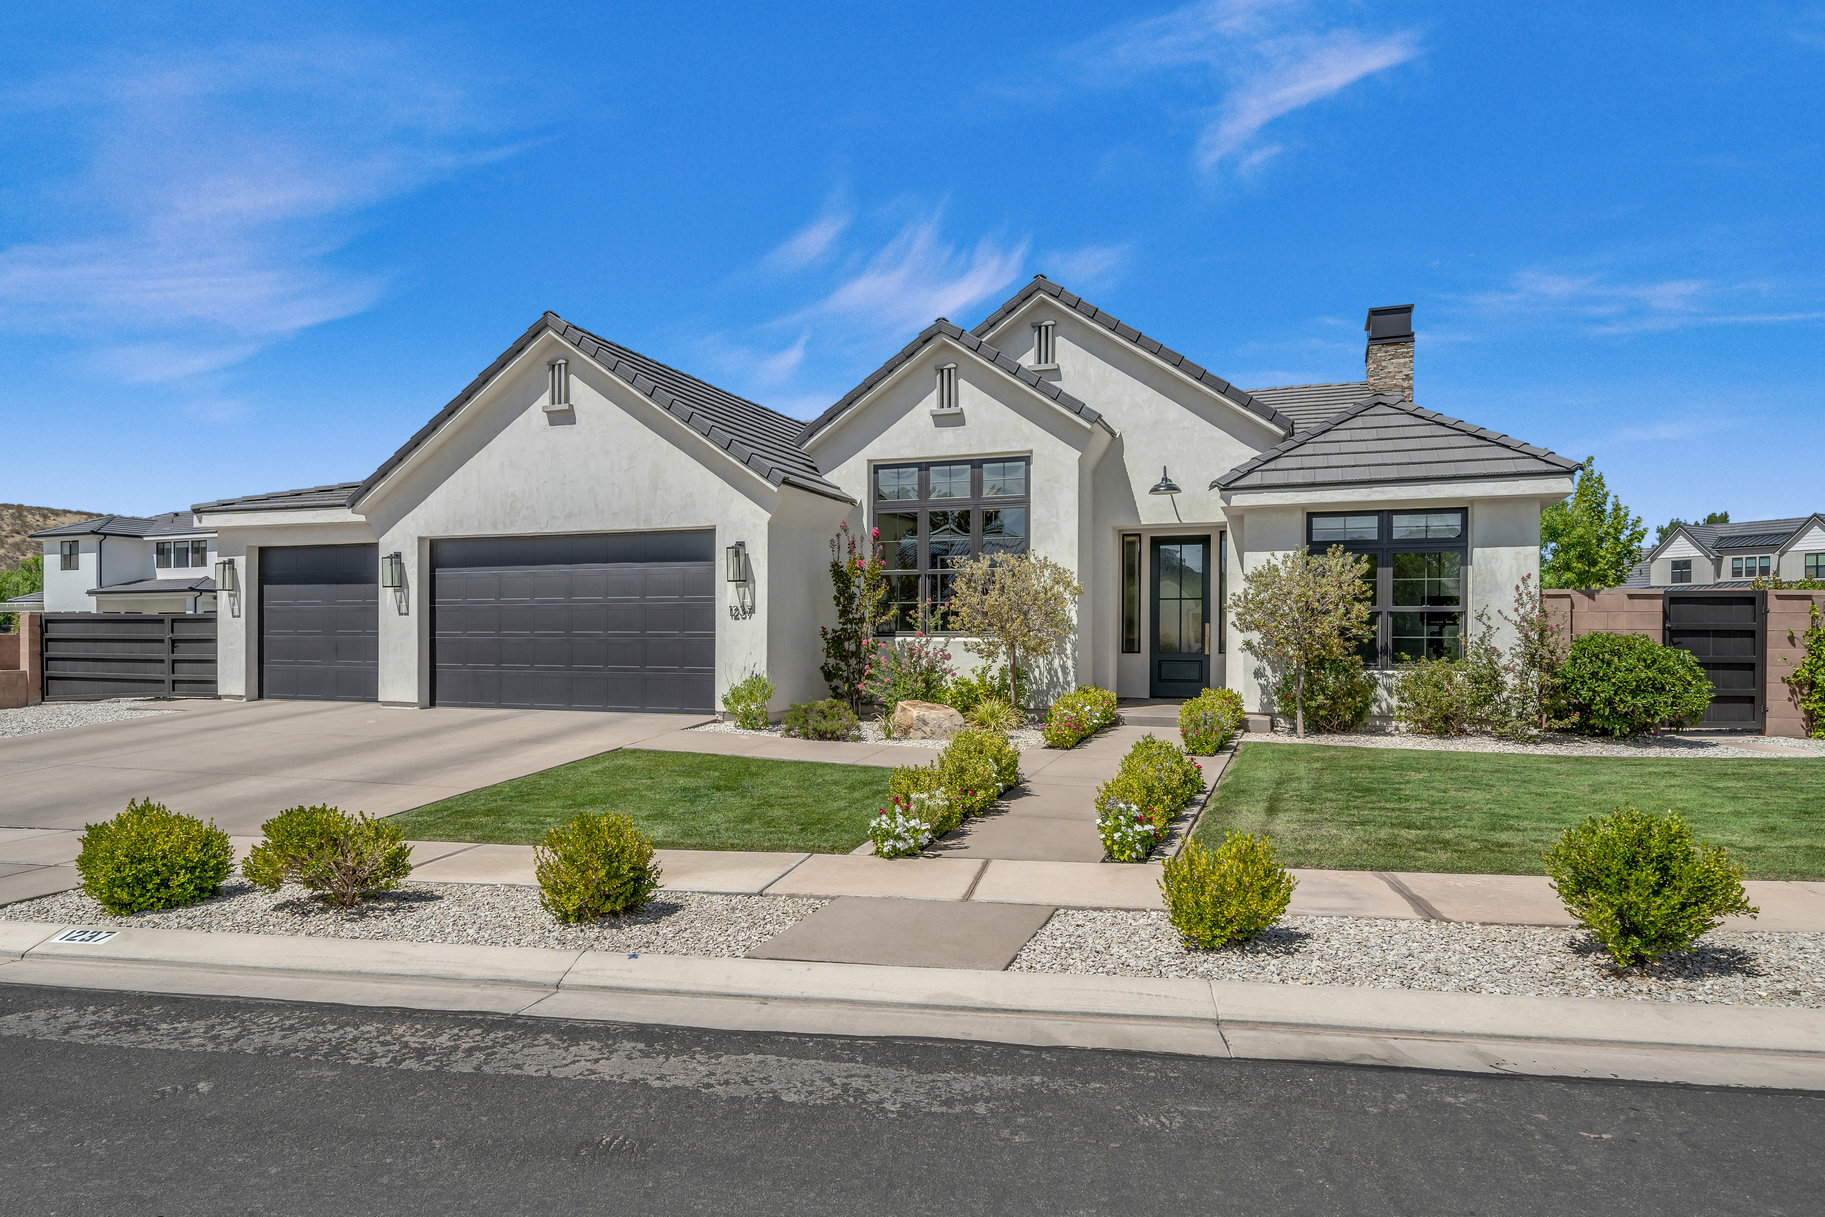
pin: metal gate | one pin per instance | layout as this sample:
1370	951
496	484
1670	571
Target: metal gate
95	655
1724	631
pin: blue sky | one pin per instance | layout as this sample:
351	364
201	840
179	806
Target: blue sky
244	252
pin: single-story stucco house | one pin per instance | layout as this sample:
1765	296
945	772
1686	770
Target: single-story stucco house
585	527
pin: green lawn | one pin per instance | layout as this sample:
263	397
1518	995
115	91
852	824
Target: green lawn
684	800
1496	813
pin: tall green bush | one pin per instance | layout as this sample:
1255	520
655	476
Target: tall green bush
596	865
1227	894
1441	697
150	857
858	582
1807	681
339	856
1641	886
1625	684
1210	720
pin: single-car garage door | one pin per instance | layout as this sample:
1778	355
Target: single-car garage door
320	622
600	621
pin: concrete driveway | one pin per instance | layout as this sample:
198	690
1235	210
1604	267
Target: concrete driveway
239	762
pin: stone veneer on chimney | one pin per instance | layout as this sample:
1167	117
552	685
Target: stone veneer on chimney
1388	361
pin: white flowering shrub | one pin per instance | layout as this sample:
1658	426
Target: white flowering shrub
1128	830
897	831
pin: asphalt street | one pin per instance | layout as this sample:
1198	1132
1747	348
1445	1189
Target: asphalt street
124	1104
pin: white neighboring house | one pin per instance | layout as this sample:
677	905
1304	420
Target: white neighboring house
585	527
129	564
1699	556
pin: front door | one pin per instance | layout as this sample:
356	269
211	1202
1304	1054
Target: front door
1179	658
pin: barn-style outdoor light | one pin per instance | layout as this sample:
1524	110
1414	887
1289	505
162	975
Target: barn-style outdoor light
1165	485
393	571
735	562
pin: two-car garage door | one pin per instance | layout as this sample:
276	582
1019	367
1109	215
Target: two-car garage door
604	621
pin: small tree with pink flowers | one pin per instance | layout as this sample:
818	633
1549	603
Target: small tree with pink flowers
858	581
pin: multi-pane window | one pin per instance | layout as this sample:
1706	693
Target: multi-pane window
934	516
1418	564
1682	570
1752	567
1815	566
169	554
68	554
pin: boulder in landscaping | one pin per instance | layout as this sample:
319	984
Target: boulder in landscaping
925	720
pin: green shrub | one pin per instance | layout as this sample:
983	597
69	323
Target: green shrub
1077	716
1640	885
827	719
1441	697
926	795
1624	684
993	746
746	702
339	856
150	857
1133	809
1210	720
969	779
995	714
1338	694
965	693
1807	683
595	865
896	833
1227	894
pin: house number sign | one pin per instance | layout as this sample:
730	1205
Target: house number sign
85	936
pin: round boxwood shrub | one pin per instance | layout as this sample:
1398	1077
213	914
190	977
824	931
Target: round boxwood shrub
339	856
150	857
595	865
1624	684
1641	886
1226	894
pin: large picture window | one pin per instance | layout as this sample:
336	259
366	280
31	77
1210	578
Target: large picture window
936	515
1419	562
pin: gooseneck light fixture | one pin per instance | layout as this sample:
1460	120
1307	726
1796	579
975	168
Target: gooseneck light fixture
1165	485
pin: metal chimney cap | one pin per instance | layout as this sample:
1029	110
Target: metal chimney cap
1389	323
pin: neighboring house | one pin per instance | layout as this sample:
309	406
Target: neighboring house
1697	556
586	527
129	564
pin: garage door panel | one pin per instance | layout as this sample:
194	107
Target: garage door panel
319	622
603	622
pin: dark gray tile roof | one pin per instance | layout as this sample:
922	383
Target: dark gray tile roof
1077	304
1743	534
31	600
972	343
335	495
1753	540
1384	440
1310	405
1640	575
204	583
170	524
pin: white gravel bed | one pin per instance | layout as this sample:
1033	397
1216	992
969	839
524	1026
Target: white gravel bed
1746	968
1557	744
56	715
483	914
1024	737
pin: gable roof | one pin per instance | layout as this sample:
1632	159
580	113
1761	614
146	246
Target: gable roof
970	342
1310	405
1384	439
169	524
1077	304
1744	534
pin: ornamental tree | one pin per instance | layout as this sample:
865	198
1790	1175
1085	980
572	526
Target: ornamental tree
858	580
1589	540
1300	611
1017	606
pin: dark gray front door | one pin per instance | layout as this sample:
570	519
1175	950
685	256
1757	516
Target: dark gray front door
1723	631
600	621
320	622
1179	662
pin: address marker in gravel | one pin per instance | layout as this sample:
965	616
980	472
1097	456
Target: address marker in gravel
1747	968
498	915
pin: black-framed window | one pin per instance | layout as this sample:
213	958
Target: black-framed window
1419	563
69	555
1131	593
167	555
1815	566
937	514
1682	570
1751	566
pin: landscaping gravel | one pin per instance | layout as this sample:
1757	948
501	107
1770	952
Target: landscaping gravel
497	915
1024	737
1746	968
56	715
1556	744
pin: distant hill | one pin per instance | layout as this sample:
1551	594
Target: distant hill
18	522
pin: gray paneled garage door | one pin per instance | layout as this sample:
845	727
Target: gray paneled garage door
603	621
320	622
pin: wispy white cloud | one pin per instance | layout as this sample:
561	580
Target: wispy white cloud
217	190
919	275
1263	60
809	243
1602	304
1092	266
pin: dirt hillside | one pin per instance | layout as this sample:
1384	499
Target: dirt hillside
18	522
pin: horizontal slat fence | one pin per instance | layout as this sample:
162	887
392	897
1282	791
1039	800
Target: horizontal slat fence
88	656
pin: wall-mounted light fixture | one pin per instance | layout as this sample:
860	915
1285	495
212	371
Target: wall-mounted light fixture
228	585
1165	485
735	562
393	571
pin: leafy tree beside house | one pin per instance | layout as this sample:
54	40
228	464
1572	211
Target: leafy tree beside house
1591	539
1301	612
1017	608
858	578
21	580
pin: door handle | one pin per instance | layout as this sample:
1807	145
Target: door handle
1207	637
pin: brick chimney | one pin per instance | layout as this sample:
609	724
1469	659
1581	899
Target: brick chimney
1388	361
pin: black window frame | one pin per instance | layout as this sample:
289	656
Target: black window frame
1134	570
921	612
1814	566
69	555
162	554
1751	566
1378	651
1682	570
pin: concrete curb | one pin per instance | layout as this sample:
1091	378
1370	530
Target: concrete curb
1563	1037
